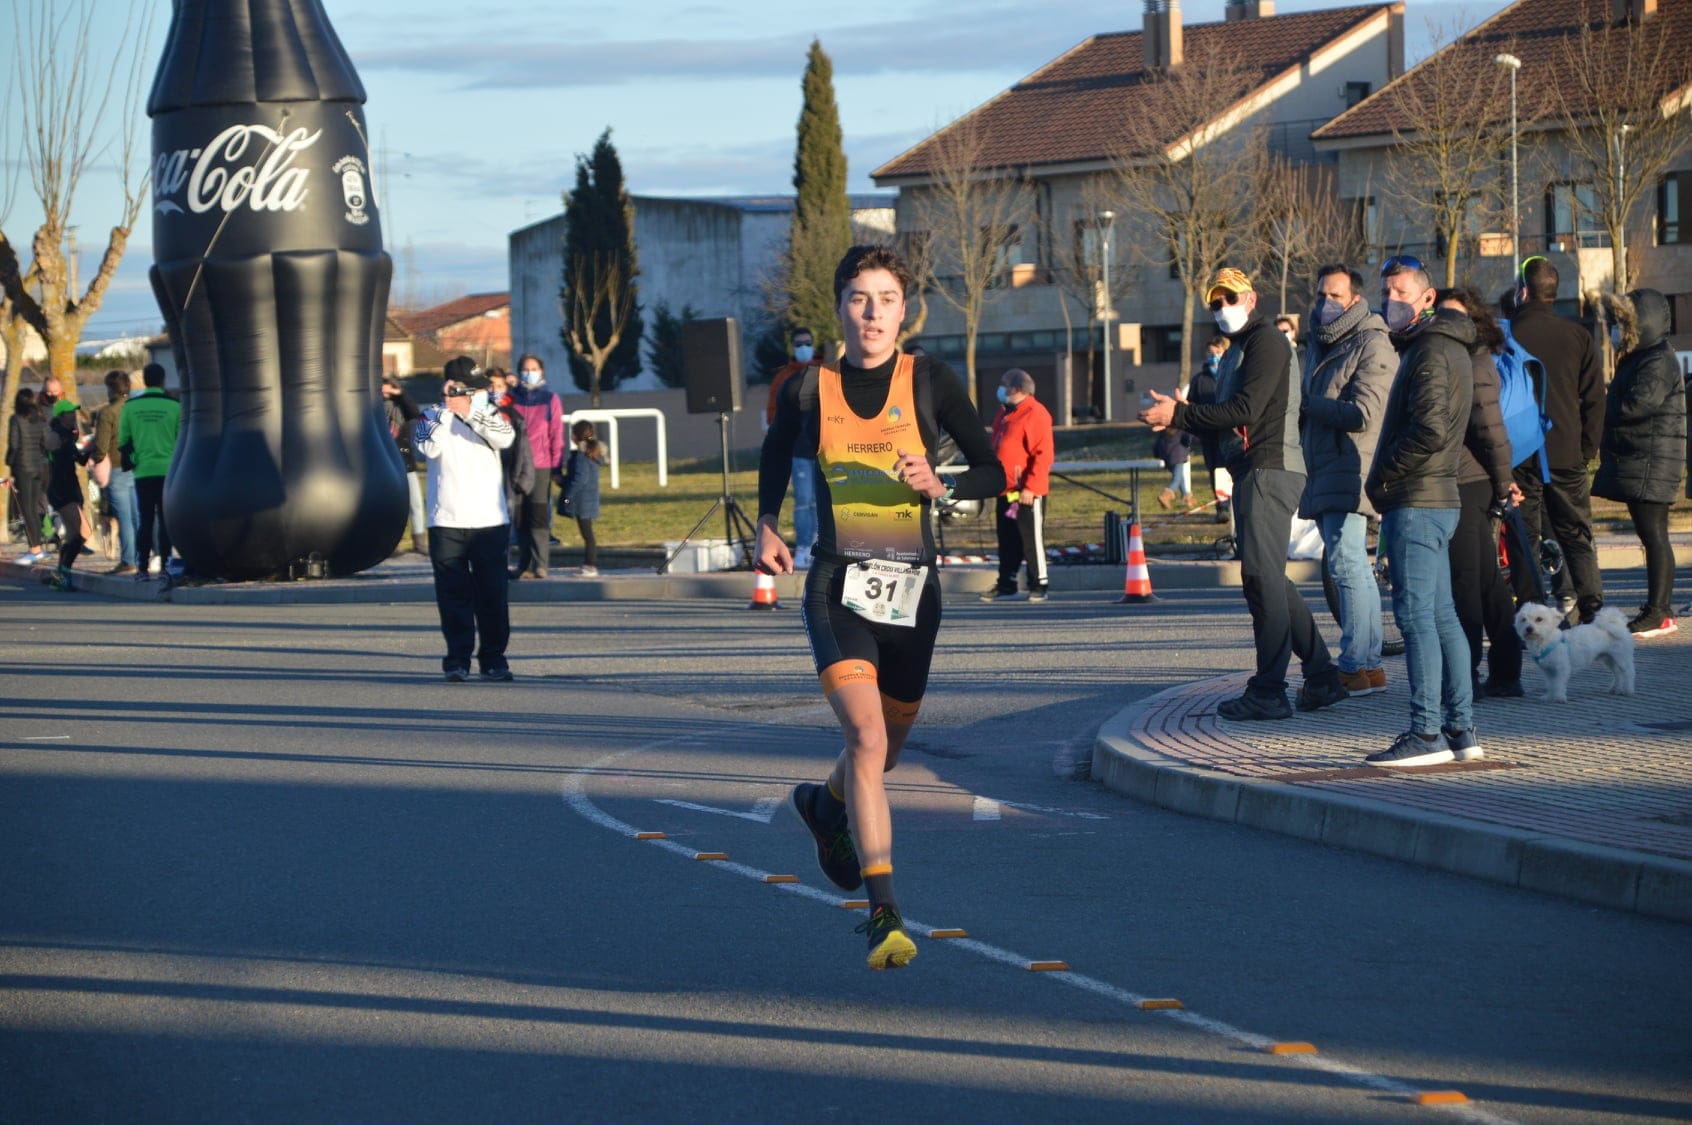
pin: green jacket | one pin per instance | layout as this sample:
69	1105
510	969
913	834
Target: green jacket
147	432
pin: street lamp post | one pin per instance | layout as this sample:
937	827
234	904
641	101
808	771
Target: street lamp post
1514	64
1620	281
1109	220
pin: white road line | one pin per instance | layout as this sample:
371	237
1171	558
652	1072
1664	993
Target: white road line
581	804
986	809
762	811
47	738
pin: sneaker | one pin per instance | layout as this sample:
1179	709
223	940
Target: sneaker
889	946
1377	678
31	558
1251	707
1463	744
457	675
1319	693
589	572
121	569
998	595
60	580
497	675
1651	625
154	565
1166	499
1036	595
836	855
1359	683
1411	749
1496	690
1393	647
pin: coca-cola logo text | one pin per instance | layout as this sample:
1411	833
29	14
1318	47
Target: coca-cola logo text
216	179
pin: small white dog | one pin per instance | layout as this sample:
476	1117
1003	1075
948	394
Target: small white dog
1561	652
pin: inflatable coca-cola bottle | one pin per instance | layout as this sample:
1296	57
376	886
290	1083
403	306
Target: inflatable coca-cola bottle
270	271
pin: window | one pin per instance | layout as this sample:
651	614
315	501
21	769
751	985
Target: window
1355	92
1571	217
1365	222
1162	343
1090	242
1010	249
1674	192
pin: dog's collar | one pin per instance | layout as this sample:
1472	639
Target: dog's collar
1539	657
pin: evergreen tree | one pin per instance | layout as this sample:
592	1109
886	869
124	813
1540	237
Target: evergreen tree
822	214
600	262
664	350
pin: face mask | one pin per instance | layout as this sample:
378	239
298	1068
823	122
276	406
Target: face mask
530	378
479	401
1212	362
1326	311
1004	394
804	352
1400	315
1231	318
1615	337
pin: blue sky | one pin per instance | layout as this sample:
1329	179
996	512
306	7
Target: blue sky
477	111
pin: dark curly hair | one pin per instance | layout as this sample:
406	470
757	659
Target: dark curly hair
861	258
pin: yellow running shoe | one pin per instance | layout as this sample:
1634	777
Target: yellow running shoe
889	946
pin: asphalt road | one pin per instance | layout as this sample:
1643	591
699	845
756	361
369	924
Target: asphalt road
259	864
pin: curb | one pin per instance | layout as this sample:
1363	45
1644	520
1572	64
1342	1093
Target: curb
1623	880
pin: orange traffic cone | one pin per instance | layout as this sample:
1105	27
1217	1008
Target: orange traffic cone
764	592
1136	586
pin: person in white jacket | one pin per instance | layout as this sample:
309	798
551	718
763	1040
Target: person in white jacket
469	524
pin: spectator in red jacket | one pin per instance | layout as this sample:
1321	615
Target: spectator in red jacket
1022	437
543	418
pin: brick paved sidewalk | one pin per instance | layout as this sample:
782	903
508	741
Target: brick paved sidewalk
1601	784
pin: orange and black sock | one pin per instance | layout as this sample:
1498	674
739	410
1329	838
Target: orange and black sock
878	882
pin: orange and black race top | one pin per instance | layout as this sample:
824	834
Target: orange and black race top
855	421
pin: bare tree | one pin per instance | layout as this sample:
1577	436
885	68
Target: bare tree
63	96
1185	172
1298	224
1078	269
974	213
1620	100
1443	171
917	250
600	308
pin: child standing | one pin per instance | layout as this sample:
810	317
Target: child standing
1174	449
67	448
578	497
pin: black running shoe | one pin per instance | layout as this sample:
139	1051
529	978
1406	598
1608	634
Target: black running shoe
835	853
889	946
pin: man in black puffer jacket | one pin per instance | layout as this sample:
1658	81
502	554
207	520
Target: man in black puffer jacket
1256	416
1413	484
1644	441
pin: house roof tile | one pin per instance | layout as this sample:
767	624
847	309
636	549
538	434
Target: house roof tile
427	322
1535	31
1075	108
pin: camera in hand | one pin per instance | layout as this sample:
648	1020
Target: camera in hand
456	390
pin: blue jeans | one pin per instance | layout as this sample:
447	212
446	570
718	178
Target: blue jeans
804	502
120	493
1436	653
1345	556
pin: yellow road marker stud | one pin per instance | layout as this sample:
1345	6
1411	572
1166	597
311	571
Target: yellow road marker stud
1048	966
1442	1097
1160	1005
855	904
1292	1049
710	855
651	836
781	878
947	933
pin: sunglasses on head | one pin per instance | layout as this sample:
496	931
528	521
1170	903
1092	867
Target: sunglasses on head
1230	297
1400	262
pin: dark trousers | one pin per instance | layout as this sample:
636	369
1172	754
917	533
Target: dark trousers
70	540
1021	540
153	537
1281	622
1564	506
31	494
590	545
1484	602
1650	523
470	592
533	519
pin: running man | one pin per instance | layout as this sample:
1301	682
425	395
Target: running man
872	596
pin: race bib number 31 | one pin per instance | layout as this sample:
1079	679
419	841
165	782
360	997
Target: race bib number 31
888	592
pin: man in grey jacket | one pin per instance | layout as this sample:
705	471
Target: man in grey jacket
1413	484
1351	371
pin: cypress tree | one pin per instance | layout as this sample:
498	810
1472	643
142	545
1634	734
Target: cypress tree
822	213
599	229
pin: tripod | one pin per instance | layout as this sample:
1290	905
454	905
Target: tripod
738	530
